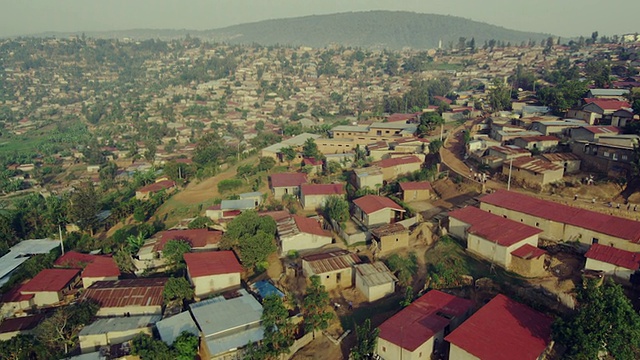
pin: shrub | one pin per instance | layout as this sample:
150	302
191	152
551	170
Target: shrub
229	185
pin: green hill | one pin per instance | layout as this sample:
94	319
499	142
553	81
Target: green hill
372	29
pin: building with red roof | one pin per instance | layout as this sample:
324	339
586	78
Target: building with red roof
560	222
417	330
612	261
127	296
313	196
286	184
593	133
146	191
19	325
213	271
413	118
416	190
503	329
94	267
397	166
490	236
299	233
604	107
372	210
50	286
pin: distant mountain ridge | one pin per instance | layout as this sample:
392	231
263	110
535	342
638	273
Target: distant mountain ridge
370	29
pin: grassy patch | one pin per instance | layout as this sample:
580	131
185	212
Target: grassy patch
443	66
377	312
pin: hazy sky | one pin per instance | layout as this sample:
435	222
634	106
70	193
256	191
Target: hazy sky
559	17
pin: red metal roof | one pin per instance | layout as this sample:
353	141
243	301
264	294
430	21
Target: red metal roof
20	323
198	238
607	104
492	227
50	280
14	295
310	226
93	265
602	129
415	185
386	163
418	322
311	161
504	329
212	263
539	138
372	203
611	255
528	251
158	186
402	117
128	292
605	224
322	189
288	179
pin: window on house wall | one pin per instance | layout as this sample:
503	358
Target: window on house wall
605	154
338	278
624	157
594	240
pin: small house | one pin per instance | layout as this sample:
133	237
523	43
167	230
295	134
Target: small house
286	184
314	196
394	167
50	286
540	143
94	267
369	177
374	280
416	191
372	210
298	233
616	262
334	268
128	296
533	171
19	325
570	162
170	328
391	237
112	331
145	192
213	271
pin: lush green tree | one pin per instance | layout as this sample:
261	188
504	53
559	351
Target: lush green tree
315	306
253	236
174	251
408	297
279	332
149	348
366	340
265	164
177	289
200	222
337	208
84	206
604	322
404	267
59	332
434	146
108	172
24	347
599	72
428	122
310	149
499	96
229	185
289	154
186	346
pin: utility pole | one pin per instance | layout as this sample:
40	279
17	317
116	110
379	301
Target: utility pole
61	243
510	167
441	131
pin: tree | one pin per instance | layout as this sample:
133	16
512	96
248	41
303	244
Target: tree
174	251
434	146
605	321
60	331
408	297
279	332
404	267
499	96
84	207
23	347
253	236
289	154
149	348
265	164
177	289
310	149
200	222
336	208
366	340
186	346
314	306
428	122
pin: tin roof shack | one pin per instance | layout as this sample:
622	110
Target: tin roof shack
564	223
490	236
20	325
374	280
390	237
228	325
570	162
145	192
314	196
518	331
417	330
370	177
111	331
593	133
213	271
533	171
286	184
129	296
170	328
498	155
334	268
94	267
298	233
50	285
615	262
372	210
416	191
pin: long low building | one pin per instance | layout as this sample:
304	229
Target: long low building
560	222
